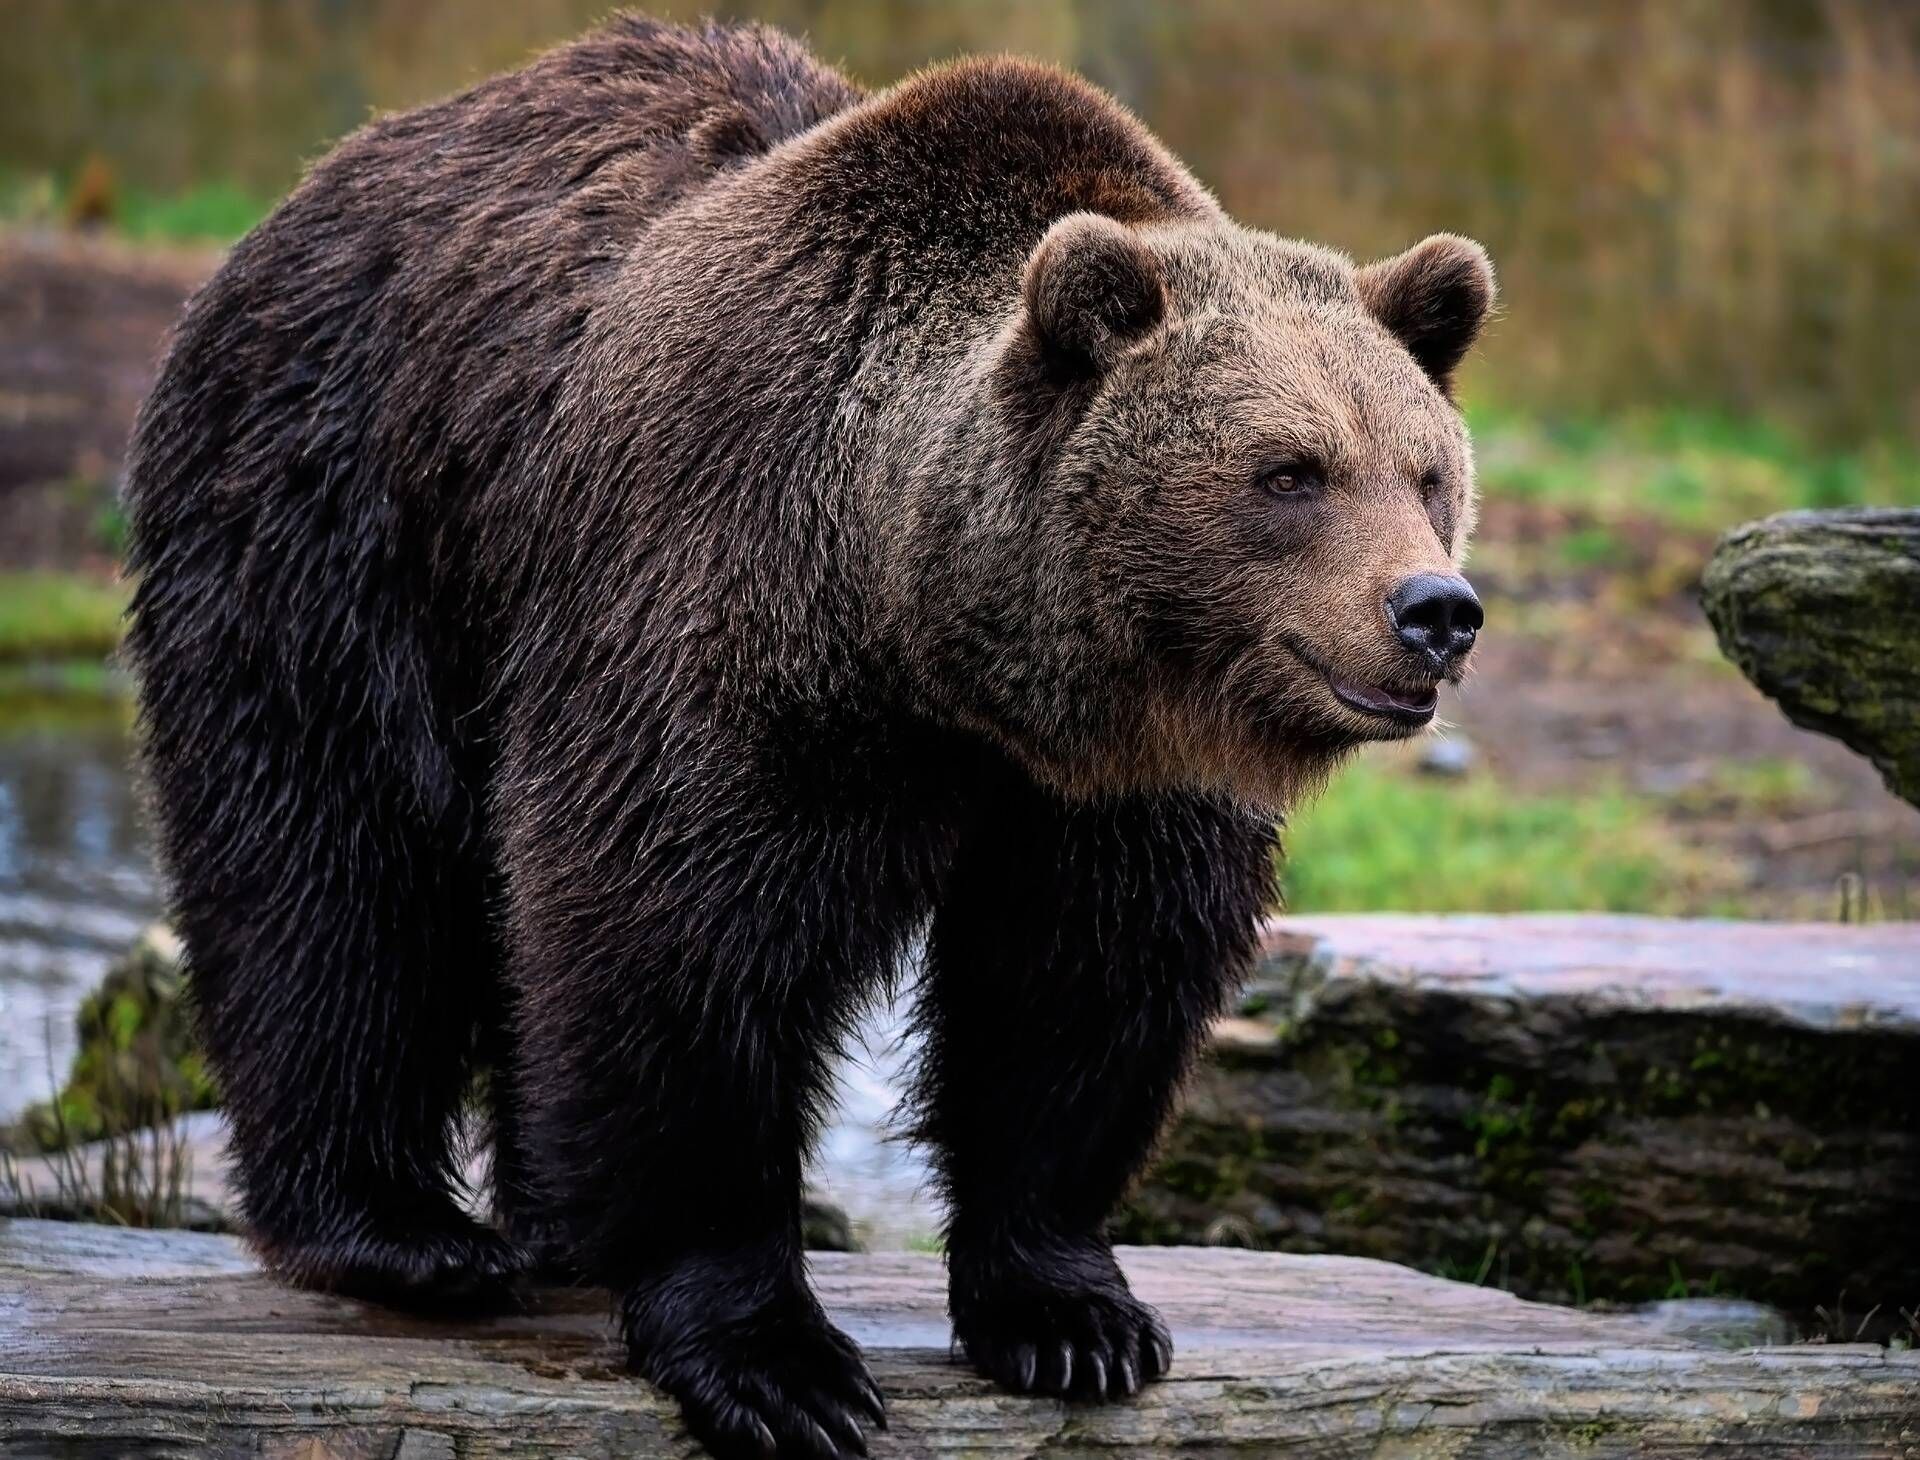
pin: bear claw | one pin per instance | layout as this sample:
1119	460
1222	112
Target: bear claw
799	1388
1034	1339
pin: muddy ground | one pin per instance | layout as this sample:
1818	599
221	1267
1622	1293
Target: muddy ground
82	322
1612	672
1588	676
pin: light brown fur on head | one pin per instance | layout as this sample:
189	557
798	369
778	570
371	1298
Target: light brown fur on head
1243	445
1278	363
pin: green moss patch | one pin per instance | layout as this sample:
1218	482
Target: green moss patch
136	1065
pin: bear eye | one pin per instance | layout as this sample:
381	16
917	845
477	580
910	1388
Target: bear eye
1291	478
1430	482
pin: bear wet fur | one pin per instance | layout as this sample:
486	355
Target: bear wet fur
621	551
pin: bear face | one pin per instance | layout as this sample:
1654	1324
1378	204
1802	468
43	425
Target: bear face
1256	491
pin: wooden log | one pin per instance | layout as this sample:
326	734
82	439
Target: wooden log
1573	1107
1821	610
124	1343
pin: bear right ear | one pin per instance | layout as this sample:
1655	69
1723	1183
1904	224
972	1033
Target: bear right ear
1092	289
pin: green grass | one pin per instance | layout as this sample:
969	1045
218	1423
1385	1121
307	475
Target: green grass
209	212
1385	839
1693	470
49	616
1593	546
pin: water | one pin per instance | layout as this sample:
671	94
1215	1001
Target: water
77	885
877	1180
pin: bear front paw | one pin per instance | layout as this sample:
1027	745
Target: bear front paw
780	1381
1064	1325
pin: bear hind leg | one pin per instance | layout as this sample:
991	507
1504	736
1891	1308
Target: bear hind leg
338	992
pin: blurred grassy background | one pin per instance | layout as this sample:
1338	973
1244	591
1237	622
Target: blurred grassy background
1705	219
1689	200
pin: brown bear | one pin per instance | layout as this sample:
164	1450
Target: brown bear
623	551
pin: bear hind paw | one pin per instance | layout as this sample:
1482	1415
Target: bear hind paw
450	1264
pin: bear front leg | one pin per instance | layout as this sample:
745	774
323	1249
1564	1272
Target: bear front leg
684	963
1075	961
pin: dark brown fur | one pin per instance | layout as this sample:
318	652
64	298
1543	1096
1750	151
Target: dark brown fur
622	549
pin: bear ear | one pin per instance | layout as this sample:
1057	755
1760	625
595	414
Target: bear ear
1433	299
1092	288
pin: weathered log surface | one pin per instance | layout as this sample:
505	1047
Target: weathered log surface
1821	610
1574	1107
119	1343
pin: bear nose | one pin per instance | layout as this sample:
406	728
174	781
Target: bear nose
1436	614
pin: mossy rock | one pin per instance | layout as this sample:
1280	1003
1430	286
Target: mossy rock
137	1064
1572	1108
1821	610
824	1227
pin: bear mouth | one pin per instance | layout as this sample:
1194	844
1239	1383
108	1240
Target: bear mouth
1403	706
1406	707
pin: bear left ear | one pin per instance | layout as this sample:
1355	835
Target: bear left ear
1092	288
1433	298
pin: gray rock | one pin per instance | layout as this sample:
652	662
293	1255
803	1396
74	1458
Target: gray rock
1718	1322
1572	1107
1451	755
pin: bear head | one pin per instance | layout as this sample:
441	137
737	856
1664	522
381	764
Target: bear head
1200	514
